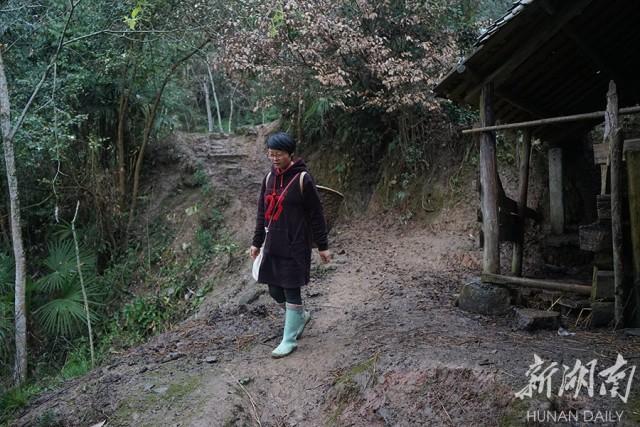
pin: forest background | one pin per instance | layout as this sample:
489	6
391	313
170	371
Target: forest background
87	87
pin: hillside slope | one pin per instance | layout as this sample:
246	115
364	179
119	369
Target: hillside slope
386	344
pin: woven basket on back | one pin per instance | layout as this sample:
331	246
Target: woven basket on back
331	201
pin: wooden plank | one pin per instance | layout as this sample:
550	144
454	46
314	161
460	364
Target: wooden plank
551	120
489	185
600	154
595	237
556	200
633	180
523	185
631	145
612	129
578	288
602	286
603	207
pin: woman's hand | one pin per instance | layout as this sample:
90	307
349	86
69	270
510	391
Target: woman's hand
254	252
325	256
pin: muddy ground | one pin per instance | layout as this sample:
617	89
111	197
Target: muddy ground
386	346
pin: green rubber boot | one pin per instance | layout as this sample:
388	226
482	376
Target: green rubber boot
294	322
306	317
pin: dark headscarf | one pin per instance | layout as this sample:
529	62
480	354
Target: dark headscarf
281	141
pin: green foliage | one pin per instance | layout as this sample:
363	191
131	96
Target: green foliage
16	398
462	116
60	310
78	361
6	309
145	316
205	239
200	178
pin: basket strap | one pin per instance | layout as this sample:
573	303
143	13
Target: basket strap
302	174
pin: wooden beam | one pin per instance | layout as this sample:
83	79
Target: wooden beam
523	185
556	196
552	120
537	40
577	288
519	104
489	185
570	31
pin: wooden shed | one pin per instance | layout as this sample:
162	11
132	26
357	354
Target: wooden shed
555	70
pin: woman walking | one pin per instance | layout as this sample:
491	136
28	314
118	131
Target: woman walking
289	219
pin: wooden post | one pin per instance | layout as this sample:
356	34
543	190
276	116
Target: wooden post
556	202
489	184
632	154
616	141
523	185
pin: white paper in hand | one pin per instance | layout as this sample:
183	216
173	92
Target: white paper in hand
256	266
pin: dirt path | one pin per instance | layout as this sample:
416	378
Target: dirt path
386	345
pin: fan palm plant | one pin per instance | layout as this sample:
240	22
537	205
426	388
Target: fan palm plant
60	310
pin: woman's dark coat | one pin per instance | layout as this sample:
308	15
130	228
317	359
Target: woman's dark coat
287	250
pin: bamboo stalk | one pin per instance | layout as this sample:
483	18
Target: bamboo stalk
551	120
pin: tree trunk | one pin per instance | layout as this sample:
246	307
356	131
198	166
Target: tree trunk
614	134
215	97
233	92
8	133
299	118
20	366
523	185
147	133
205	86
120	153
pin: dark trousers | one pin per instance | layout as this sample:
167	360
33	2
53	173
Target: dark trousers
290	295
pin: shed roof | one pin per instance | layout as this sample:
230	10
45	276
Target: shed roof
551	58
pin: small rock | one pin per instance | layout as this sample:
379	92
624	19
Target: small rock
211	359
251	295
172	356
161	390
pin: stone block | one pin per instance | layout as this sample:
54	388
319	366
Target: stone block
602	314
484	298
529	319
